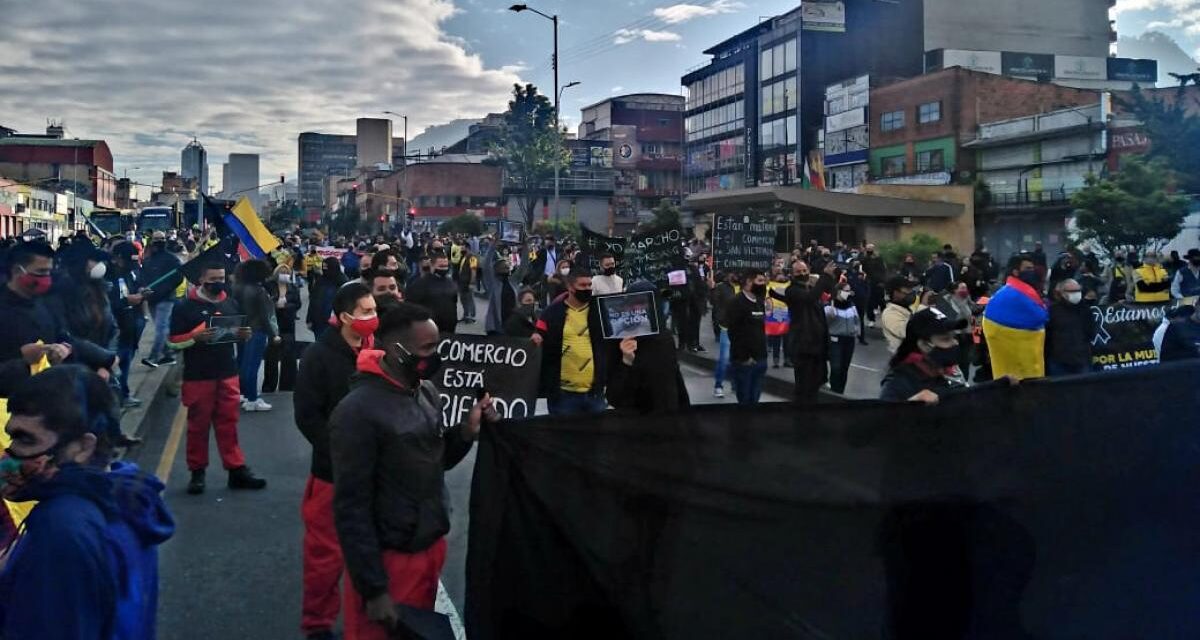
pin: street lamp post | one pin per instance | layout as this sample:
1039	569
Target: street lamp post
558	152
403	145
518	8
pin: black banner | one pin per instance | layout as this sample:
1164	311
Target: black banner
1133	70
1031	65
651	256
743	241
507	368
1125	333
1056	509
593	245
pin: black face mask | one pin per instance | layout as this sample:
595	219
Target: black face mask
1120	260
214	289
804	279
908	300
1029	277
418	368
527	310
582	296
442	273
610	271
759	289
944	357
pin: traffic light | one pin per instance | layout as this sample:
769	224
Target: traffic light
383	218
281	179
412	213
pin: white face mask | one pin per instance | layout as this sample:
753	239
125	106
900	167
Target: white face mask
285	278
564	272
843	295
1074	297
98	271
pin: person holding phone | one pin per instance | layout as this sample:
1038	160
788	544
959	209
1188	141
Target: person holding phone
210	380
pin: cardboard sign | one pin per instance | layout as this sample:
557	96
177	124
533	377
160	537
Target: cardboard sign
593	246
628	315
331	252
1125	333
651	256
507	368
510	231
227	328
743	241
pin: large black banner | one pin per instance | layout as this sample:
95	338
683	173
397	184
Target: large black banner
651	256
742	241
1125	333
1056	509
593	245
507	368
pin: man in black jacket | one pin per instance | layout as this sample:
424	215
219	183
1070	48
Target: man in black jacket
808	335
323	380
161	269
876	271
390	450
573	357
437	292
745	319
1069	331
28	330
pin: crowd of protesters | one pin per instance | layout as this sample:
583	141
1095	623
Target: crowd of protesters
374	509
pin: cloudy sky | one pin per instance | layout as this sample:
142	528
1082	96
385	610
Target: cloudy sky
249	75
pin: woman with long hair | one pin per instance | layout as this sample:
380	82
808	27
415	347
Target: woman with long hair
280	360
320	300
255	303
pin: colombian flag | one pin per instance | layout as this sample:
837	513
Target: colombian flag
1014	325
255	239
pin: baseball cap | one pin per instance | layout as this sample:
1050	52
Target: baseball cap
930	322
1193	253
158	235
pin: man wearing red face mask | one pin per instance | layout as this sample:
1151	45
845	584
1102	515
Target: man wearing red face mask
323	381
28	329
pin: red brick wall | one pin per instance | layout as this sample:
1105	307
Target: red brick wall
450	179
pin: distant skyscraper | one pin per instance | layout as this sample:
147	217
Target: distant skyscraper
224	179
323	155
243	178
374	142
194	164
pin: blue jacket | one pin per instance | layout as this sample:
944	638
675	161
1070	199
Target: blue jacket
87	563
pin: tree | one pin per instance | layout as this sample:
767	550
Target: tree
565	228
467	224
666	216
346	222
1174	134
920	245
1131	210
527	146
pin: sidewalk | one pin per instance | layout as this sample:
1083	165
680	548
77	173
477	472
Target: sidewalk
146	384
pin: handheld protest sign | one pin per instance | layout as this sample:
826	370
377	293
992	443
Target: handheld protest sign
593	245
227	328
507	368
510	231
628	315
743	241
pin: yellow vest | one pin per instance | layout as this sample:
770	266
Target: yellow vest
1151	275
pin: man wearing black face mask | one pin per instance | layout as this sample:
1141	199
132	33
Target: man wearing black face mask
390	451
925	366
210	380
608	281
808	335
496	272
161	300
573	357
437	292
898	311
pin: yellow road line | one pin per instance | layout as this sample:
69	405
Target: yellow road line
172	447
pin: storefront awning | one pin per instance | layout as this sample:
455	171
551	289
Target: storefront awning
846	204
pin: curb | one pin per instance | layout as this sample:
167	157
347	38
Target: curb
157	408
770	384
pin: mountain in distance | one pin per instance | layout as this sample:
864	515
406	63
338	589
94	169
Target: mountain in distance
441	135
1155	45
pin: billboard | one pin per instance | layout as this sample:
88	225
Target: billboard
983	61
1080	68
1030	65
823	16
1132	70
846	120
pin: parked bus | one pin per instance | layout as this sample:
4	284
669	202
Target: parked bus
110	223
153	219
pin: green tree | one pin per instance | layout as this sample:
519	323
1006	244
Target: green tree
467	224
1132	210
666	216
920	245
565	228
346	222
1174	134
527	147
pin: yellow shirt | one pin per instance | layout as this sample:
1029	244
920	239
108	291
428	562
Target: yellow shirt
578	368
455	254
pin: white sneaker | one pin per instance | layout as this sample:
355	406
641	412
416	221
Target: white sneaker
261	405
242	399
871	324
718	392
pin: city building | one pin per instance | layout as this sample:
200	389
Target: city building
374	142
480	135
753	110
847	135
322	155
26	208
1032	166
126	197
436	190
1084	72
1080	28
646	135
241	177
83	167
194	164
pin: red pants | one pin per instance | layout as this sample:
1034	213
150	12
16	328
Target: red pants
212	403
412	580
323	563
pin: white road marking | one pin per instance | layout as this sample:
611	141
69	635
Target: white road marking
859	366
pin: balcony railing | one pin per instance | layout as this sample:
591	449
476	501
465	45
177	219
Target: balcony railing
566	183
1031	199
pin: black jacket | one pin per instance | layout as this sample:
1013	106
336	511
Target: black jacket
129	317
1181	341
322	382
440	296
285	317
550	326
653	384
1069	334
256	303
875	269
159	264
908	379
746	322
389	455
25	321
518	325
721	296
215	361
84	307
809	329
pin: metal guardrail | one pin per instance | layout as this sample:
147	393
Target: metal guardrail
1025	199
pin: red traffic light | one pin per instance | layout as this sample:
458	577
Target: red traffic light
412	212
354	185
383	218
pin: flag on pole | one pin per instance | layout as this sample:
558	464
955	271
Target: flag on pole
805	182
256	240
816	166
223	253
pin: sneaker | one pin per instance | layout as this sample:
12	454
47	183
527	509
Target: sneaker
131	403
150	363
243	478
870	324
699	349
261	405
718	392
467	321
242	399
775	365
166	361
196	484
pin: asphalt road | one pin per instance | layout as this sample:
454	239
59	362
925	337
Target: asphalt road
233	568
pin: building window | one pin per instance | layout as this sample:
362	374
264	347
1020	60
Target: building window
779	97
929	161
893	166
929	112
778	60
892	121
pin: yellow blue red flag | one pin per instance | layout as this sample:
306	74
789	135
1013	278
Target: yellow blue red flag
255	239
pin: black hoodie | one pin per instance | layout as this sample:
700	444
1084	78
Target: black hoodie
322	382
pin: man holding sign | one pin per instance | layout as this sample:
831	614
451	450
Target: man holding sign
573	356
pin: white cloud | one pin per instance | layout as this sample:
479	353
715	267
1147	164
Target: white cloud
1125	6
242	76
683	12
625	36
618	89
